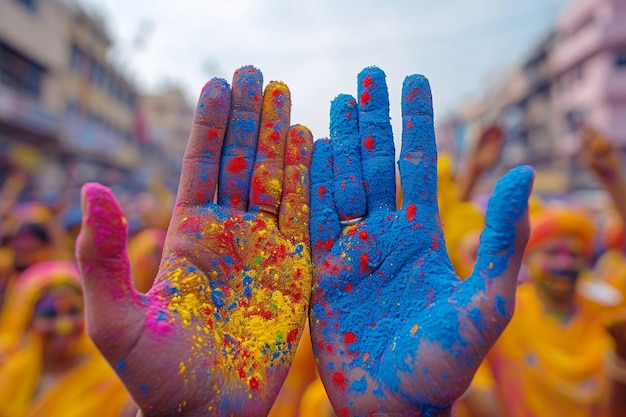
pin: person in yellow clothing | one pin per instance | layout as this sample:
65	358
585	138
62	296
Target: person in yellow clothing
552	357
144	253
51	369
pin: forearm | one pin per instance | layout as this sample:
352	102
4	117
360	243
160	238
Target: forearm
616	187
466	180
616	370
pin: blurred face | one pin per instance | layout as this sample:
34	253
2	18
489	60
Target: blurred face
556	265
58	319
30	250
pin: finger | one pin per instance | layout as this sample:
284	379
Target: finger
377	148
348	177
325	226
504	239
101	253
293	219
198	179
241	138
267	177
418	157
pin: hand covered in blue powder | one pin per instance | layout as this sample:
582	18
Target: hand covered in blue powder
394	330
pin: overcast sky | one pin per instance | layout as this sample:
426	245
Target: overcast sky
318	46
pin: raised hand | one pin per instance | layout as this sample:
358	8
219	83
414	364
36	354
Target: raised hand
599	154
394	330
216	333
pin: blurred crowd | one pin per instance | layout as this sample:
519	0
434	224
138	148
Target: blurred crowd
564	352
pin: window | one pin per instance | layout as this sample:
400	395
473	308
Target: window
30	4
20	72
76	58
620	60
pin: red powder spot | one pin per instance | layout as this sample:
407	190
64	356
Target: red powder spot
352	102
348	287
235	200
199	196
368	82
268	125
276	92
213	133
349	337
339	379
329	348
365	97
348	115
328	245
241	372
275	136
409	125
364	236
254	383
344	412
255	97
373	325
292	336
258	185
369	143
266	314
412	94
320	344
410	212
321	190
364	261
236	165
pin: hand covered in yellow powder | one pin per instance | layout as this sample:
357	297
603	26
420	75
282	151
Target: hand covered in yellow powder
217	332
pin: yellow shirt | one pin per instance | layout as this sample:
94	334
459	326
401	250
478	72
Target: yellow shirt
545	368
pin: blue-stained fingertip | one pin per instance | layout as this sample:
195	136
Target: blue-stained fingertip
509	200
215	99
324	223
248	82
343	117
373	93
417	99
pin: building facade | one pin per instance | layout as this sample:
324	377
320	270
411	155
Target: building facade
68	115
575	74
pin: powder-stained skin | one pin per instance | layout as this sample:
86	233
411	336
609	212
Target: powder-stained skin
218	330
393	328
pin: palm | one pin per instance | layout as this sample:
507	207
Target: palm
222	321
392	326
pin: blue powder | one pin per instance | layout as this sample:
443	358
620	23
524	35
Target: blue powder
377	145
348	177
501	305
403	292
241	137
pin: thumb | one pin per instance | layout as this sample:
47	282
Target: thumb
503	241
110	300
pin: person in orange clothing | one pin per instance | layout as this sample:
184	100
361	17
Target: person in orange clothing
60	373
552	358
